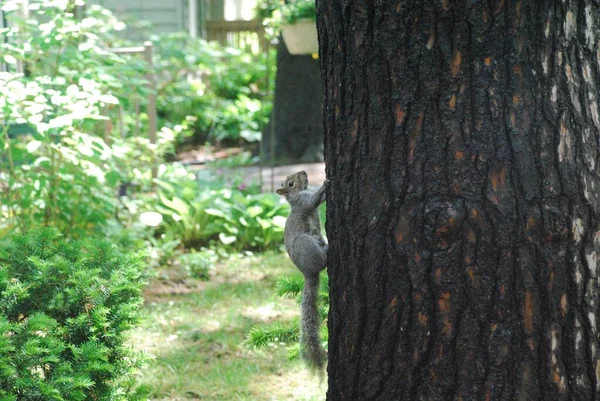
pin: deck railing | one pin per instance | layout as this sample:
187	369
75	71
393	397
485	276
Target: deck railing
240	34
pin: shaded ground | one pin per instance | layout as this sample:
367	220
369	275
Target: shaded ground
196	331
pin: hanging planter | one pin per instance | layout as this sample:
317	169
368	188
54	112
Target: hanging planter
301	37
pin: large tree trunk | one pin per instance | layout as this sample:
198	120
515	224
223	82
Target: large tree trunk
462	143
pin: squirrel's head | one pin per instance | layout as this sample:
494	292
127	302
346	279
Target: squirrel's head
293	184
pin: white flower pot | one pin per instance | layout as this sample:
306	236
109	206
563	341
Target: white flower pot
301	38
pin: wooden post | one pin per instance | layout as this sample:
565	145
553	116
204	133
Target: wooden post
3	40
193	18
151	99
23	12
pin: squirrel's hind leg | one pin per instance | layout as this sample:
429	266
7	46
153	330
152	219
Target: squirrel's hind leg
309	254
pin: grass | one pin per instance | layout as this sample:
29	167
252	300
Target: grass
196	333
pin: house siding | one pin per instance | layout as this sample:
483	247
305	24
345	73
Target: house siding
164	16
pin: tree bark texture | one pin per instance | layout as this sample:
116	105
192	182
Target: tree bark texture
296	110
462	141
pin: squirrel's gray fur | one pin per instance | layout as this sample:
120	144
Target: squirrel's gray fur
308	250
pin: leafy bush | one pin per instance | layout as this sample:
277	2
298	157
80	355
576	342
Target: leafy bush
199	217
208	92
65	311
59	175
58	169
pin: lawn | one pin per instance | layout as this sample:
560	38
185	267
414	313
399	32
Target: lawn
196	332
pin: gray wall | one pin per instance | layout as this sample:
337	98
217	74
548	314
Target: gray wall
165	15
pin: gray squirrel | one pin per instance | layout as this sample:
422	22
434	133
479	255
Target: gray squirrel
308	250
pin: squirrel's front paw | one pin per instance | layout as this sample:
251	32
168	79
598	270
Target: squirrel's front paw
326	182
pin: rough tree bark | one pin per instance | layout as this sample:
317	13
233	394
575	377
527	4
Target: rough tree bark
462	140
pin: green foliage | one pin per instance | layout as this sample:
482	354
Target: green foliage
277	12
266	8
225	217
277	332
295	10
58	171
65	312
289	286
59	164
63	169
289	332
208	92
198	264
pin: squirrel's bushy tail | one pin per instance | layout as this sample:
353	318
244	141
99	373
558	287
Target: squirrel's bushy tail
310	343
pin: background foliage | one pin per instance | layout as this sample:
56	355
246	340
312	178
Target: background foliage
62	168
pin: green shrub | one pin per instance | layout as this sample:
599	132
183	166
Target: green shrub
56	167
208	92
225	217
65	311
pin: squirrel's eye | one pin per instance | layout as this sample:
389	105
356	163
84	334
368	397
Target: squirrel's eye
290	184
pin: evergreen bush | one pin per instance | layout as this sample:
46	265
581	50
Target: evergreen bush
66	308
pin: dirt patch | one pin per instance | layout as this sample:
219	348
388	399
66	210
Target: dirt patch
157	290
175	280
172	281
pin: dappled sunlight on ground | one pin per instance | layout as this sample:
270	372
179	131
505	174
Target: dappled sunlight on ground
198	337
272	311
294	385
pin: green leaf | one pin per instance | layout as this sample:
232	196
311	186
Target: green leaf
227	239
279	221
177	204
109	99
10	59
251	135
167	186
254	211
215	212
33	145
264	224
112	178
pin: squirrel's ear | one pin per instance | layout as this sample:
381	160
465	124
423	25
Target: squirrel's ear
282	191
